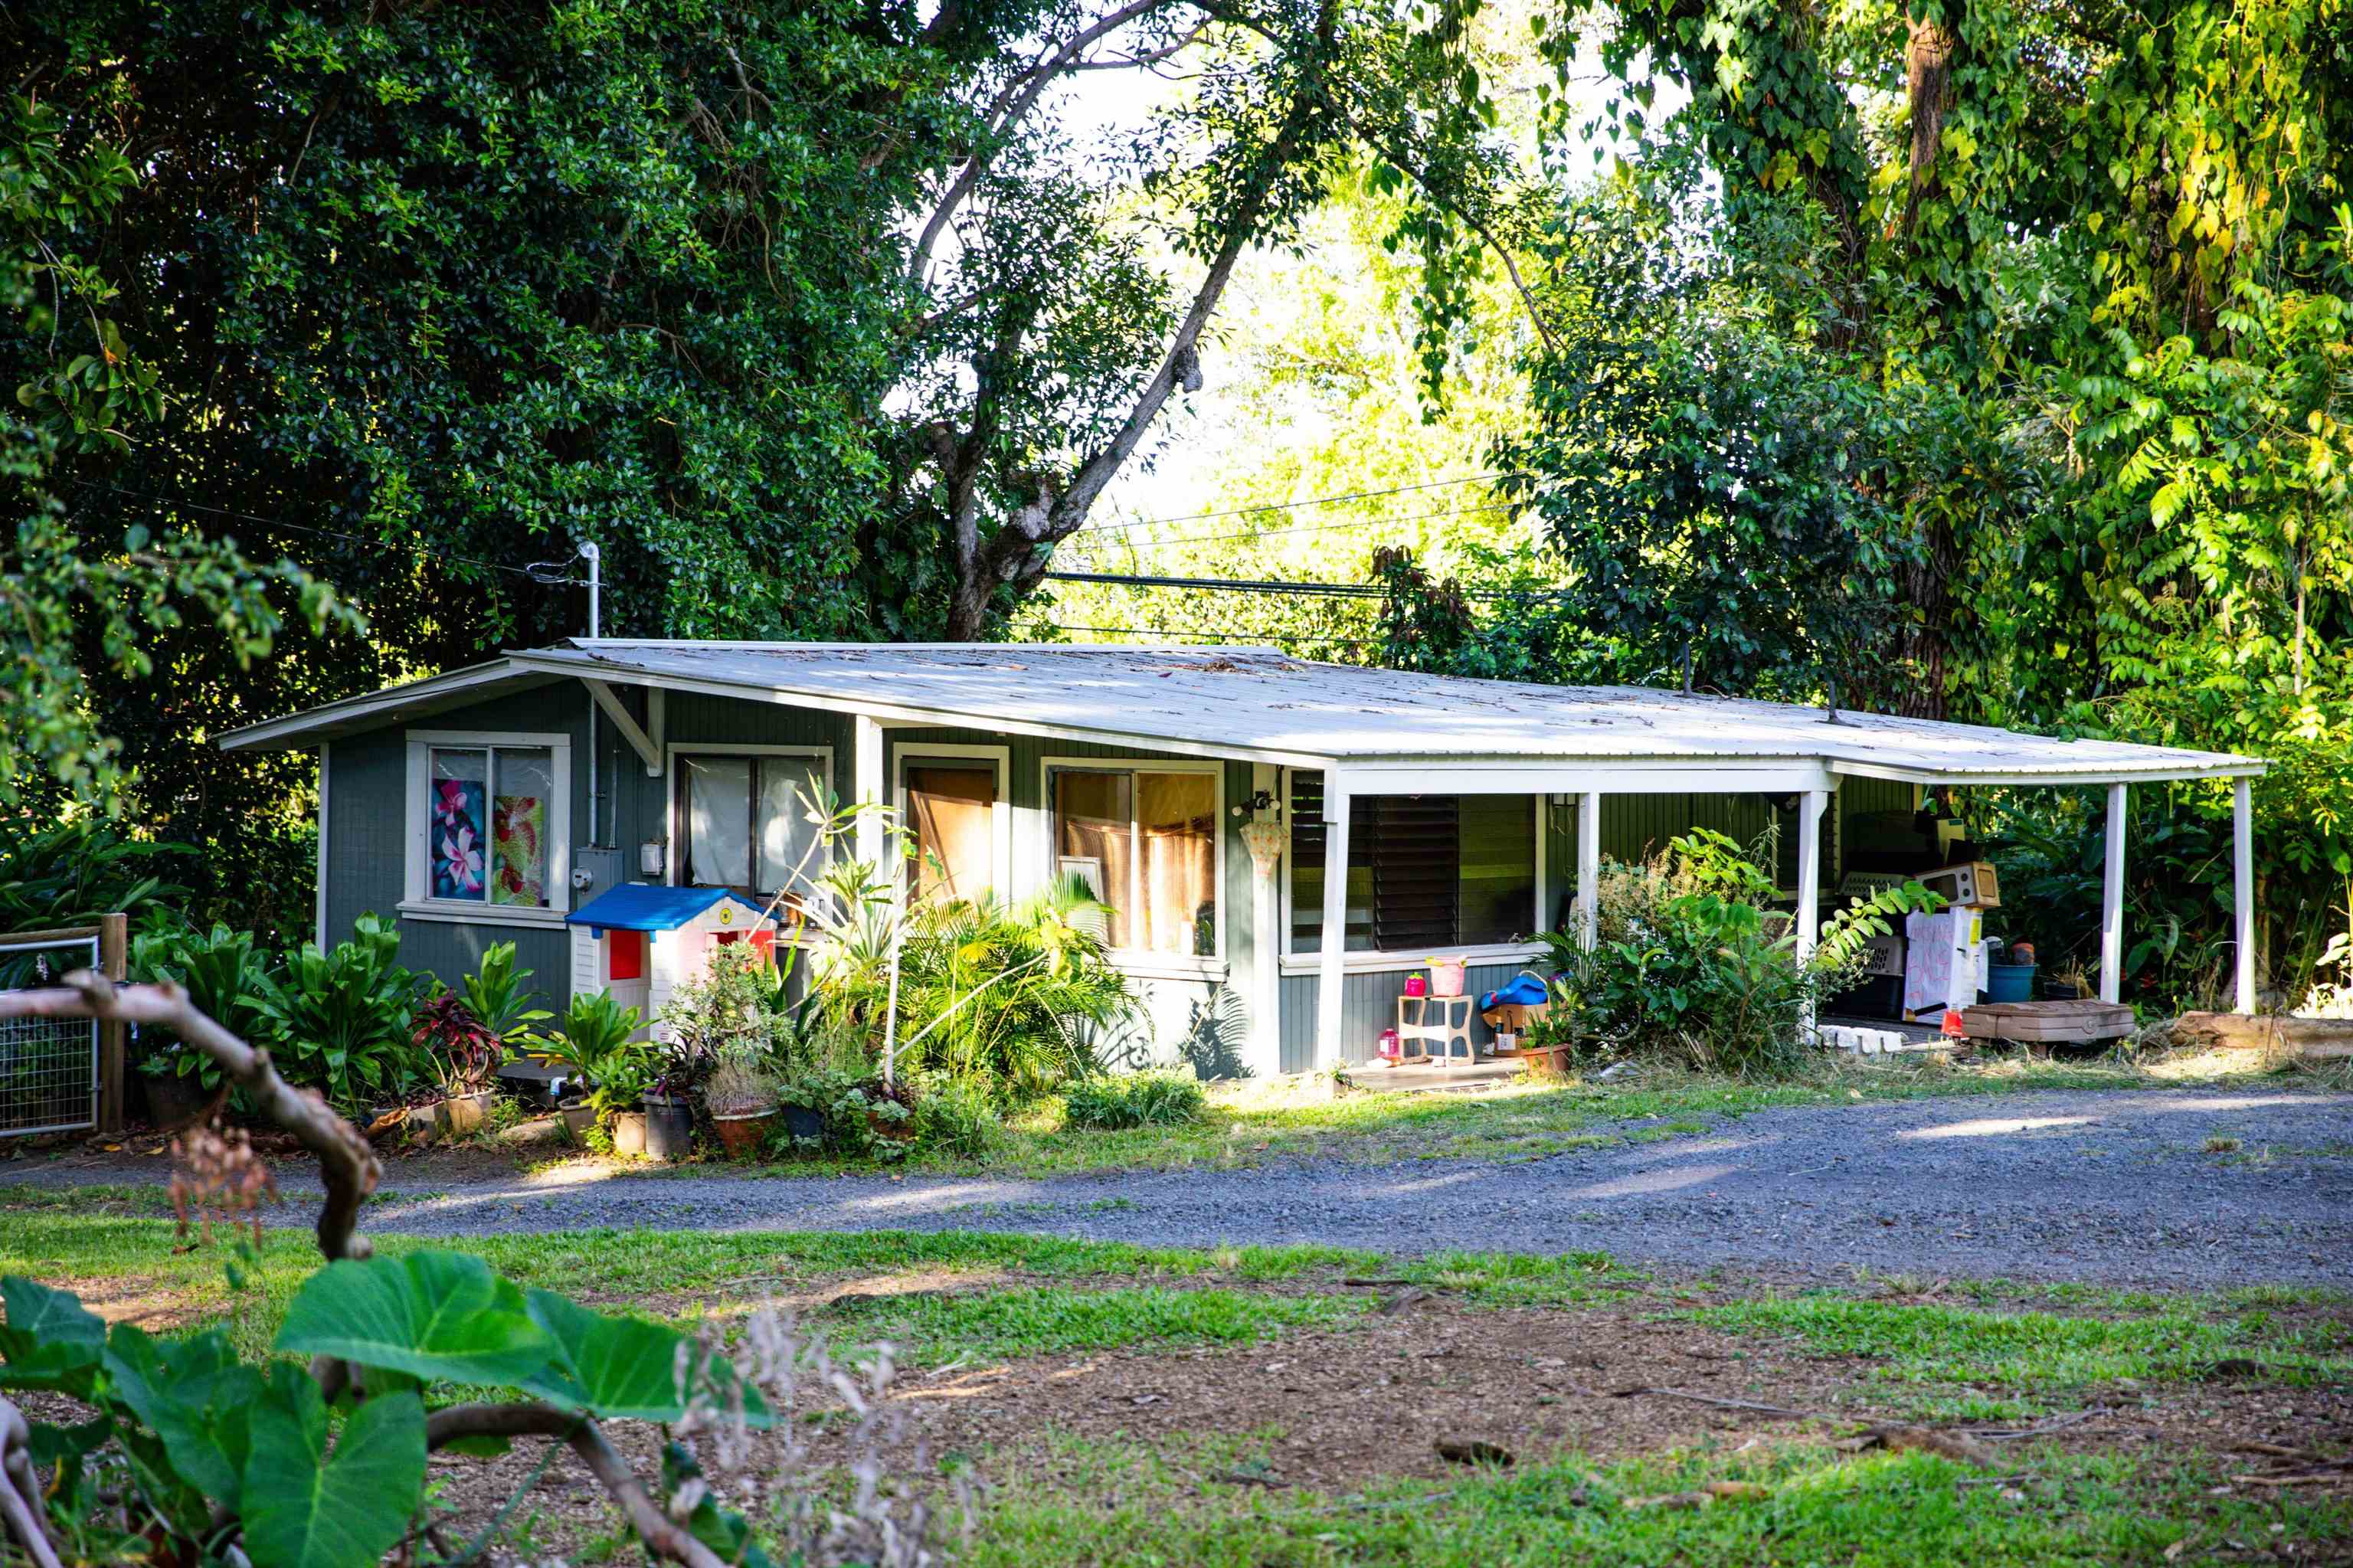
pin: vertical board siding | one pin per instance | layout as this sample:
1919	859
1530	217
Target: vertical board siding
368	832
1368	1006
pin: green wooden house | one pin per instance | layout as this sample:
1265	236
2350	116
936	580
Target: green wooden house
1419	816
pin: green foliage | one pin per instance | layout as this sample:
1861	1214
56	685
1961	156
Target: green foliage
593	1045
1007	996
1109	1102
341	1020
497	998
1688	967
201	1438
84	867
223	974
957	1119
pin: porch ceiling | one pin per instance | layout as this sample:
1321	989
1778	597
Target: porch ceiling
1261	704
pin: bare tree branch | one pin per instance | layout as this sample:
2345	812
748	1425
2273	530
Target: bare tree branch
1011	105
347	1165
22	1510
663	1535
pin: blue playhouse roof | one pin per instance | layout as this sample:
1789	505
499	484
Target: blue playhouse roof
639	907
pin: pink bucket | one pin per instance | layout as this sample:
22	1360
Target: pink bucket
1446	977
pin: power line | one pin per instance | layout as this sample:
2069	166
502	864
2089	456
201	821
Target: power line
1317	527
369	539
1277	585
1215	636
1294	505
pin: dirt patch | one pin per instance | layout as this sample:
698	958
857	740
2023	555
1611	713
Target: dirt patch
145	1302
1340	1410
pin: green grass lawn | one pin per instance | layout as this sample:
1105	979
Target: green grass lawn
1989	1350
1132	1505
1247	1124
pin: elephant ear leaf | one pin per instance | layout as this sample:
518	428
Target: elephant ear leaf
50	1340
628	1369
308	1508
197	1399
430	1315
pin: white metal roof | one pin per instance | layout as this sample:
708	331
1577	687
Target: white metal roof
1262	703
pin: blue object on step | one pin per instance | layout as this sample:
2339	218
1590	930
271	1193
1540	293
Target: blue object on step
1523	989
2010	982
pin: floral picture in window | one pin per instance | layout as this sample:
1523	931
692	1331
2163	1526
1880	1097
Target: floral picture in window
454	837
518	869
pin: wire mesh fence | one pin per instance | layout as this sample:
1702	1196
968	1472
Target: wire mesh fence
48	1067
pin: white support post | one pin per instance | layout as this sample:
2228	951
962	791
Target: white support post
866	776
1331	956
2112	902
319	893
2242	889
1813	803
1266	943
1809	870
1589	869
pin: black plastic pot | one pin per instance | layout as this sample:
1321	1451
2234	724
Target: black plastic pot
670	1127
175	1099
804	1121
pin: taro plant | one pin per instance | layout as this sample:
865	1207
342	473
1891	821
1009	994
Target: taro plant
178	1450
341	1020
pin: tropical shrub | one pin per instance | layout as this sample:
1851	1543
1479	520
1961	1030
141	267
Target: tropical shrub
223	974
70	874
1108	1102
593	1045
496	996
1688	965
453	1047
342	1021
956	1119
1007	996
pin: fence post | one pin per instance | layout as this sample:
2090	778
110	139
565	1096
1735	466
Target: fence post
114	959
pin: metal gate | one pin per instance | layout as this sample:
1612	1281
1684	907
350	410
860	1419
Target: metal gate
48	1067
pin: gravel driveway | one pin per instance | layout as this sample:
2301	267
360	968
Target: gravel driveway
2113	1188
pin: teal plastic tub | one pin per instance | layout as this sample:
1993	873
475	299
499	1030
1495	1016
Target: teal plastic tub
2010	982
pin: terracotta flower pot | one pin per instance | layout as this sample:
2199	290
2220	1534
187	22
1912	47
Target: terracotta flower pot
463	1113
742	1136
1545	1059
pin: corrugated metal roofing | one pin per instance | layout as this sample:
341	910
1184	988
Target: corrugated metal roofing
1264	702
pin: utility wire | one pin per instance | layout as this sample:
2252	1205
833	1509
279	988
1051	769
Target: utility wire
1294	505
1272	585
1336	527
421	554
1216	636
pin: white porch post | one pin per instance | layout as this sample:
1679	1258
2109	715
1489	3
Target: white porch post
1267	942
2242	888
1334	950
865	772
1809	870
1814	803
1589	869
2112	902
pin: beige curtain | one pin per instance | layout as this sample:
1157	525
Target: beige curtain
951	809
1093	838
1177	815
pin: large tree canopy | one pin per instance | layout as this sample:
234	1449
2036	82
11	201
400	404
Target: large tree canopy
822	318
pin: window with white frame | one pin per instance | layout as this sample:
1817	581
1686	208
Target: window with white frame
744	820
1425	871
1146	840
489	824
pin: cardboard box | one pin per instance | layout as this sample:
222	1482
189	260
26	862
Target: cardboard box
1972	883
1512	1017
2079	1022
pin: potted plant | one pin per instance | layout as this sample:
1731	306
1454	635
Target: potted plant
740	1096
462	1057
618	1098
593	1040
669	1101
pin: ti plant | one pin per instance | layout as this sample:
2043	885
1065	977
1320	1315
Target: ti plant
193	1454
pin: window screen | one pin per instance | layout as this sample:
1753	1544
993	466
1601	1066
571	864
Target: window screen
1424	871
